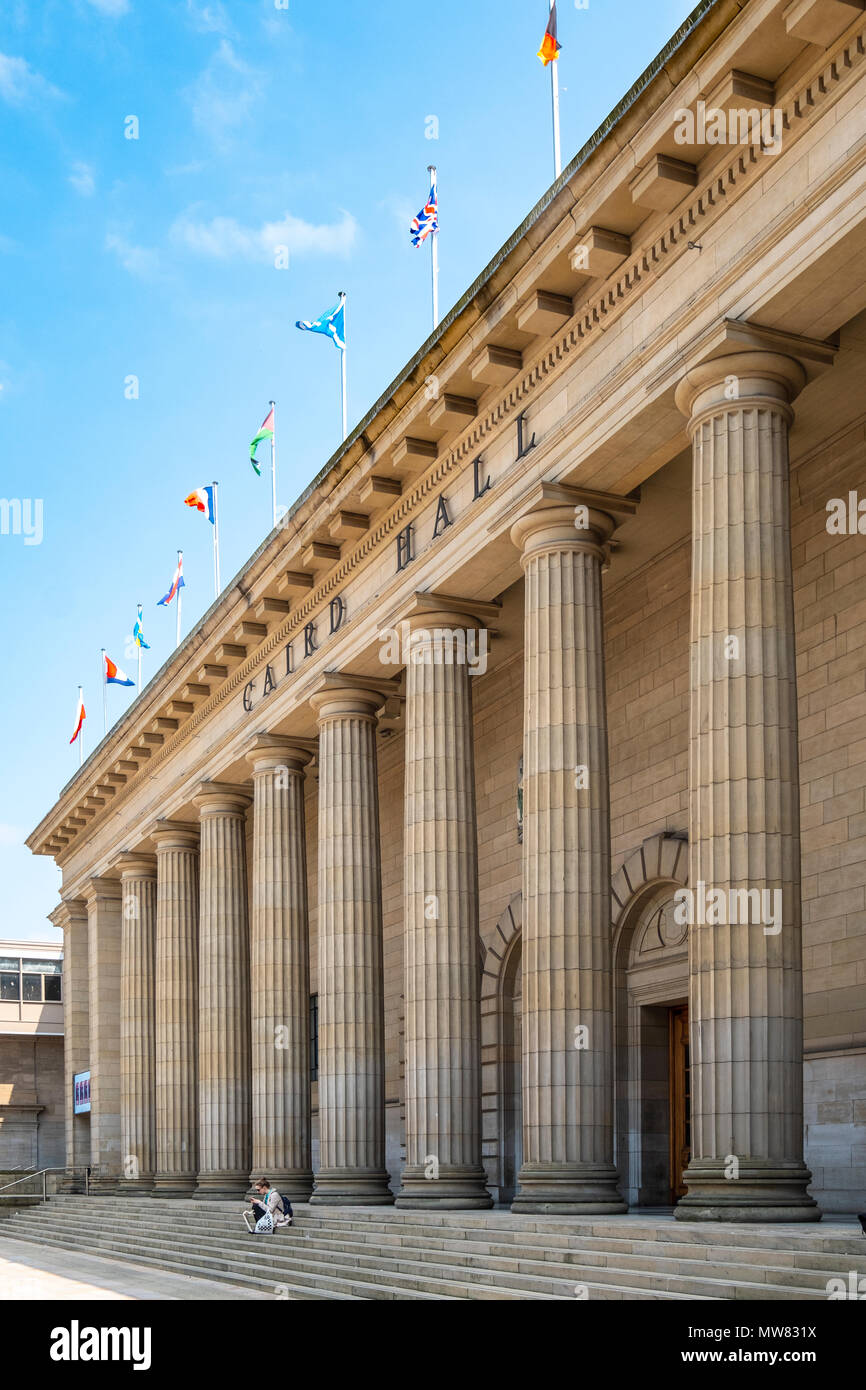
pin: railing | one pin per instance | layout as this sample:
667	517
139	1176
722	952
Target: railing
43	1174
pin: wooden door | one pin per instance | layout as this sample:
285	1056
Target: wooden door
680	1099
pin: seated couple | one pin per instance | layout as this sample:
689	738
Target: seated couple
269	1210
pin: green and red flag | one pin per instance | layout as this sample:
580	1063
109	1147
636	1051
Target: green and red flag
266	432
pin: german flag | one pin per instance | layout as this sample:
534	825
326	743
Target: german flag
550	47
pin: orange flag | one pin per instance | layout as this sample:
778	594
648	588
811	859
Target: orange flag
550	47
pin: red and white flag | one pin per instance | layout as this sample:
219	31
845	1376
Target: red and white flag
80	716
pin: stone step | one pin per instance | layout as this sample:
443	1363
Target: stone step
574	1265
530	1279
827	1238
331	1288
652	1241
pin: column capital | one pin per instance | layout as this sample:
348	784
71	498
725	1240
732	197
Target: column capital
134	864
553	516
68	913
270	751
101	890
222	799
437	610
763	363
174	834
340	696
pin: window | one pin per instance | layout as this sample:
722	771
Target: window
10	991
30	981
314	1037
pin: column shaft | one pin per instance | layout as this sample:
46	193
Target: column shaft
567	984
280	952
176	1057
746	1007
442	963
224	996
104	947
71	916
351	991
138	1025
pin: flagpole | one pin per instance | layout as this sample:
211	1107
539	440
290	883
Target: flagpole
179	593
434	252
216	543
104	694
343	369
273	406
138	644
81	730
554	92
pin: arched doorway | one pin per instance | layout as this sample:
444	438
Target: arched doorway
512	1071
651	1033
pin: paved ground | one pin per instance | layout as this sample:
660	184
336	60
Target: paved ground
34	1272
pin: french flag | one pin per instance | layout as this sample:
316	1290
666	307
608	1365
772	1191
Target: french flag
176	583
113	675
203	501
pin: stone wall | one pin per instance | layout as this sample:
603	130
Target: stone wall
32	1116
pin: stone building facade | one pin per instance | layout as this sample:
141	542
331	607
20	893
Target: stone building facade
500	833
32	1084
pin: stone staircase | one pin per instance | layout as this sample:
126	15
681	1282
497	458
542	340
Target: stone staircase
380	1253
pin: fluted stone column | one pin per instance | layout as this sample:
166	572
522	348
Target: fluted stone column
104	944
567	983
224	995
441	963
351	989
746	1004
138	1023
71	917
280	954
176	1056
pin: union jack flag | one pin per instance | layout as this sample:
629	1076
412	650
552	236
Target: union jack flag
427	220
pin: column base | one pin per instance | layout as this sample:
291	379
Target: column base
351	1187
224	1186
294	1183
765	1190
136	1187
455	1188
568	1189
174	1185
105	1187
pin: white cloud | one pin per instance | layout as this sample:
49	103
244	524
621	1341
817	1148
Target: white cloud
224	94
210	18
138	260
82	179
224	238
20	85
113	8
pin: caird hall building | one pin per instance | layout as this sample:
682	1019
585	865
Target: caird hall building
499	835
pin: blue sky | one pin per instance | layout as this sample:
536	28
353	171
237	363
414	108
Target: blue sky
258	126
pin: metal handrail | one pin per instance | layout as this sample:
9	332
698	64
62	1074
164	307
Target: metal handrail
43	1172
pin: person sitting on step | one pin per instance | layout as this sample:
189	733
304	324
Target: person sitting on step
269	1210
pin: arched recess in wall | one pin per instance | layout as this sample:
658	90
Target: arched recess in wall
650	976
500	1052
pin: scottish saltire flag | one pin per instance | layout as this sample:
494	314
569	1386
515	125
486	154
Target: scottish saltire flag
80	716
137	634
113	674
266	432
176	584
332	324
202	498
550	46
427	220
